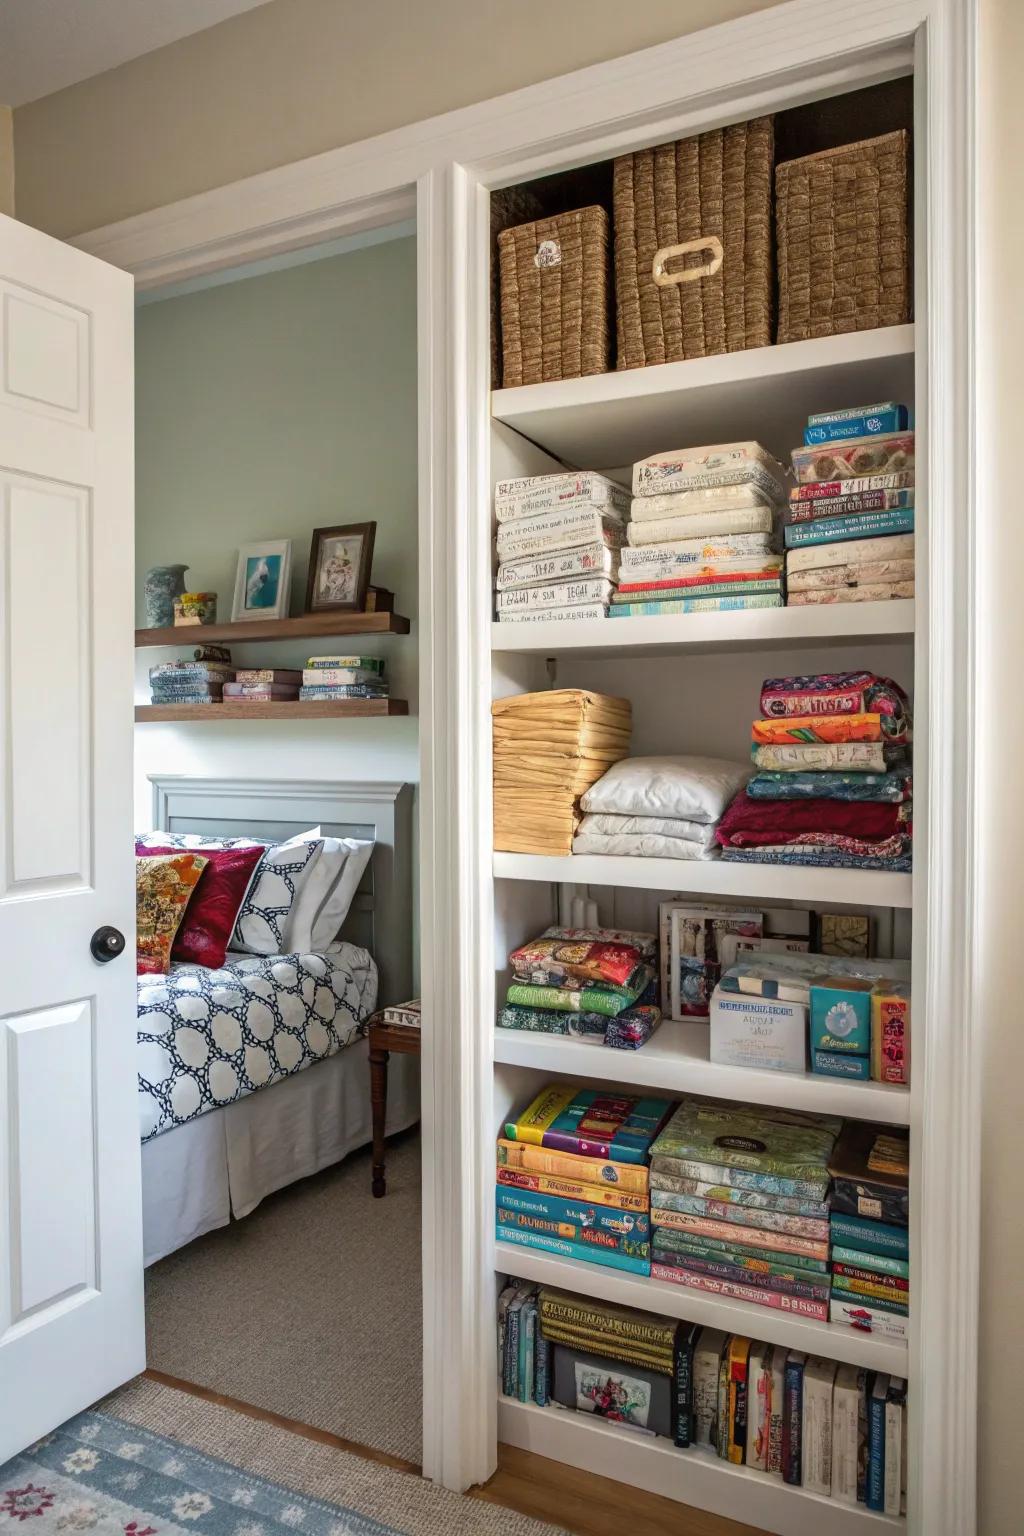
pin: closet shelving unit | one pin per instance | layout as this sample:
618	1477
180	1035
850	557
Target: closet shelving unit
694	683
281	709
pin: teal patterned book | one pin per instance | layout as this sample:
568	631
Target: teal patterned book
776	1141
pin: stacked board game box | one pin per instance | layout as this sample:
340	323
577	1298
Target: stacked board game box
343	677
849	524
558	545
869	1218
264	685
739	1204
200	681
702	532
593	984
835	1430
572	1176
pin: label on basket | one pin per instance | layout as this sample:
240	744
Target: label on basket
549	254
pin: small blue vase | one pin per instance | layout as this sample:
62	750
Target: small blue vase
163	584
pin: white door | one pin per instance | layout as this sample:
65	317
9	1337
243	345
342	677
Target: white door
71	1322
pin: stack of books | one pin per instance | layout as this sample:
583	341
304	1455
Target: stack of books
344	677
870	1213
702	532
593	984
850	520
548	750
558	545
572	1176
264	685
189	682
837	1431
739	1204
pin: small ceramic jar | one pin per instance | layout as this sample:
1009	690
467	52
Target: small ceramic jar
196	608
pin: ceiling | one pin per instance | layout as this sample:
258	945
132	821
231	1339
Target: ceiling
48	44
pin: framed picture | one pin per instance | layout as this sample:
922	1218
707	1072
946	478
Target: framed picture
263	580
339	567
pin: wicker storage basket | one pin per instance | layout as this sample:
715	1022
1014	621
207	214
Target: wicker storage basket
703	204
843	239
509	206
554	297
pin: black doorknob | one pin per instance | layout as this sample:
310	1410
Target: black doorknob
106	944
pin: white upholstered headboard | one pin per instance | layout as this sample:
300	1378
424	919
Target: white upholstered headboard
380	918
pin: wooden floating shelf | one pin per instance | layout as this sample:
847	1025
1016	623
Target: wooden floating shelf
767	393
755	629
805	884
307	626
694	1476
676	1060
285	709
833	1340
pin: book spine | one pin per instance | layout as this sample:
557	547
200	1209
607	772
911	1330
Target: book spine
774	1299
657	560
577	1233
896	1302
739	1362
594	559
868	1266
598	1342
603	1219
816	1431
572	1189
871	423
773	1459
864	526
792	1419
893	1461
527	1334
709	582
759	1391
664	479
746	1199
682	1420
761	1260
846	1404
695	605
536	1159
673	529
558	493
815	490
788	1285
287	676
684	573
876	1451
859	1282
851	412
737	1178
556	531
562	594
510	1376
542	1385
738	1215
567	1249
869	1236
780	1242
846	506
867	1316
555	615
561	1310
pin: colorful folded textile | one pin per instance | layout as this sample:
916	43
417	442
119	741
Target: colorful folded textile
877	592
895	786
817	757
839	693
750	823
820	858
642	845
592	999
828	728
630	1030
551	962
552	1021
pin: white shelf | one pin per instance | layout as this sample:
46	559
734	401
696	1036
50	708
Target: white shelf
765	393
757	629
808	885
675	1060
693	1476
832	1340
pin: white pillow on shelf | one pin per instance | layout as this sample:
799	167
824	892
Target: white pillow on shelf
689	788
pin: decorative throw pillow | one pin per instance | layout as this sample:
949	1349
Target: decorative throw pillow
684	788
353	856
203	936
163	886
281	876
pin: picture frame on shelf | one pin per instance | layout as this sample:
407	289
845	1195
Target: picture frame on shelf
339	568
263	581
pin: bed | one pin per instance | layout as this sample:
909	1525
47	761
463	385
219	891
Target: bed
256	1074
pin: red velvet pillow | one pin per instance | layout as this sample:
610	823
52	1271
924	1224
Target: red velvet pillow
209	919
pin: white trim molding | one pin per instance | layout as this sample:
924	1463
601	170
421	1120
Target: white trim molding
441	170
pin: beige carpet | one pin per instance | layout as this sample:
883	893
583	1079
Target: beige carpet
310	1307
399	1499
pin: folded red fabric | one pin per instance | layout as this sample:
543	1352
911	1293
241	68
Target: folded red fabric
753	823
209	921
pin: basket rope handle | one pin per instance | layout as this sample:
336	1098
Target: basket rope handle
709	243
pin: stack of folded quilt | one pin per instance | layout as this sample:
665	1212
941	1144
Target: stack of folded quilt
659	807
833	786
558	544
590	983
702	533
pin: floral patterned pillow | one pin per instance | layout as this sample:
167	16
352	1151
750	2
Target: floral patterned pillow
163	886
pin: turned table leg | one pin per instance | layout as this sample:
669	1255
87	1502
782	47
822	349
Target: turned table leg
379	1108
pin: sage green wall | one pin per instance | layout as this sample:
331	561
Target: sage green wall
267	408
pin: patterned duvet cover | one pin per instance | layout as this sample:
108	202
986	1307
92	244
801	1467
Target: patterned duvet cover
207	1038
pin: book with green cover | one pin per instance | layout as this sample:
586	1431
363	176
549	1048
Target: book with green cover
650	1329
758	1140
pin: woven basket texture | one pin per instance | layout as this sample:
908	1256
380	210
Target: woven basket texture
715	184
554	298
843	239
509	206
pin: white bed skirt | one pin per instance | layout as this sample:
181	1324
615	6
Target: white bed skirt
196	1177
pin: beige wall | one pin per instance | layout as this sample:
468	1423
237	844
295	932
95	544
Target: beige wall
300	76
6	160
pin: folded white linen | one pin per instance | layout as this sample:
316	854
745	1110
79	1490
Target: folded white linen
604	824
684	788
645	846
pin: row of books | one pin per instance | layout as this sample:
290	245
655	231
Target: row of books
597	984
210	678
732	1199
834	1430
849	522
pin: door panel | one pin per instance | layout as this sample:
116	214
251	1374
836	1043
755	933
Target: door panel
71	1319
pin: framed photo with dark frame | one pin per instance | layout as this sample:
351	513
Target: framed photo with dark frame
339	568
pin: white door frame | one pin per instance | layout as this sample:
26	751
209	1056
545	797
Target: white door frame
438	169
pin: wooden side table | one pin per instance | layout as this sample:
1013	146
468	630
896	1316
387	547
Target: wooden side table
392	1029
